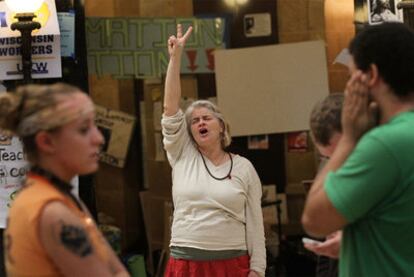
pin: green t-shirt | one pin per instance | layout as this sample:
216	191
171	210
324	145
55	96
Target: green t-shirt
374	191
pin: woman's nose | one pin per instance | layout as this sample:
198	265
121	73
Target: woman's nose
98	138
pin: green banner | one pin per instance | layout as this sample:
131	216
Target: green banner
137	47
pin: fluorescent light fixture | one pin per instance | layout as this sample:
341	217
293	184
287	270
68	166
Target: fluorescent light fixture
234	3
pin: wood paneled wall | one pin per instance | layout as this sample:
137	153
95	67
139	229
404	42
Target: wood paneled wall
117	190
297	20
328	20
339	30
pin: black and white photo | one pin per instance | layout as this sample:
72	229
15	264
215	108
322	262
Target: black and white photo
380	11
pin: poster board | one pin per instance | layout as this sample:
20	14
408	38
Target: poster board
13	168
117	128
271	89
46	58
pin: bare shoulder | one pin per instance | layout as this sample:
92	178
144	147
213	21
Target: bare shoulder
55	211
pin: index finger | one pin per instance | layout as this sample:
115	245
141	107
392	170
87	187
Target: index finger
188	33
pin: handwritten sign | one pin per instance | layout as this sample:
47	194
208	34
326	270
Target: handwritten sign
137	47
117	128
13	167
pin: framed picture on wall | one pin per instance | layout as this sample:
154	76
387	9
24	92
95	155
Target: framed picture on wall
380	11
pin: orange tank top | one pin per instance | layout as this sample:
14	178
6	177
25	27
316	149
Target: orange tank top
24	253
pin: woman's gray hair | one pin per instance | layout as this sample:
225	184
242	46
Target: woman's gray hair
225	135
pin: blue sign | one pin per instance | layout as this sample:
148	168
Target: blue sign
67	33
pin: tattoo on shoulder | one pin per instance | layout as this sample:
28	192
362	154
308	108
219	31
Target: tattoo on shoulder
75	239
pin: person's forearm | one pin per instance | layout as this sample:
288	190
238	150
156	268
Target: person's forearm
172	94
317	217
122	274
343	150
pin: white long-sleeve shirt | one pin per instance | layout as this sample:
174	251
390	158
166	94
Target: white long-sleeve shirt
211	214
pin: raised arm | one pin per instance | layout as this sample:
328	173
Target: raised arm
172	80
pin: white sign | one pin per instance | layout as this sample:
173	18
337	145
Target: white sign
271	89
344	57
13	168
45	45
67	33
257	25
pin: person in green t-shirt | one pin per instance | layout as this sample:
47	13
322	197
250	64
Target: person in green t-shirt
367	186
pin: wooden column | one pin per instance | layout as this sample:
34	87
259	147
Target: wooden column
339	30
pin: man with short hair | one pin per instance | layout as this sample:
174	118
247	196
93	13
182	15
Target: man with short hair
326	130
325	124
367	186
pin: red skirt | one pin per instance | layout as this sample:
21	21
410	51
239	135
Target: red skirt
235	267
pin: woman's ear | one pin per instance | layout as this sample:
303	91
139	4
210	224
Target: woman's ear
44	142
223	127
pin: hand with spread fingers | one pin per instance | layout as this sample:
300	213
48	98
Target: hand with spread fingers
330	247
177	43
358	113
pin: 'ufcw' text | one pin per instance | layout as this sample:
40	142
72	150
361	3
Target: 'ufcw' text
36	49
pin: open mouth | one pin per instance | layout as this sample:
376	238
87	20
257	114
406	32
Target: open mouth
203	131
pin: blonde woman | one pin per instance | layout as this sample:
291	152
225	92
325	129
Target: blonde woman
49	231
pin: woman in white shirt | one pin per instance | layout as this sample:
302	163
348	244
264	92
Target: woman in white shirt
218	224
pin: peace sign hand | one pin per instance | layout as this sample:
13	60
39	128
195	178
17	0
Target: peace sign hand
177	43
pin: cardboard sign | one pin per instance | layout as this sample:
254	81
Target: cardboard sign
117	128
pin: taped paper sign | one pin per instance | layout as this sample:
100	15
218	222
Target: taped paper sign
117	128
46	61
